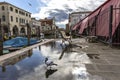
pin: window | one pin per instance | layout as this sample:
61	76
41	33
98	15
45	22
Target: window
3	18
19	12
26	21
16	19
16	10
3	8
20	20
11	9
26	14
23	13
29	15
11	18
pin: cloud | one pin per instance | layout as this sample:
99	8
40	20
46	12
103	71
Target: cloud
61	9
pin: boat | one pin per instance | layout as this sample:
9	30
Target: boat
19	42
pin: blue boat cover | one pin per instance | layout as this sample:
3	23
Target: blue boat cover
19	42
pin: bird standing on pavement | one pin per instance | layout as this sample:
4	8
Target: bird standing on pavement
49	62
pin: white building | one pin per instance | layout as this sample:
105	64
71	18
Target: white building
75	17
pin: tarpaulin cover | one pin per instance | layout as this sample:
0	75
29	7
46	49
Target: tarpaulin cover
19	42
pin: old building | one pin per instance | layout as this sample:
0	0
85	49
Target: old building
75	17
47	26
14	19
35	26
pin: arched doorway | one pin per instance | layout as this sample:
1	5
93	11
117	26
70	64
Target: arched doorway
5	29
5	32
15	31
22	32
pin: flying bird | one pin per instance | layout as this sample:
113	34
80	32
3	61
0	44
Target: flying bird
29	4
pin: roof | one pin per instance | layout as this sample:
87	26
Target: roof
13	6
47	21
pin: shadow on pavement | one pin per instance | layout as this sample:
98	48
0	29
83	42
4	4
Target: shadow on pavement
50	72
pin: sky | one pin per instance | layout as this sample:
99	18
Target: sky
60	9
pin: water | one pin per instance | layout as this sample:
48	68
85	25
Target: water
26	64
30	65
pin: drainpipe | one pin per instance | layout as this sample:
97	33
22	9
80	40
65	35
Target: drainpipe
1	39
110	24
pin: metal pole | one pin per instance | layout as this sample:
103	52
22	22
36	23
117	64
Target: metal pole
95	24
28	33
110	24
1	39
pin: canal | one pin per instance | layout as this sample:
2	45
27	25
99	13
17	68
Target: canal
30	65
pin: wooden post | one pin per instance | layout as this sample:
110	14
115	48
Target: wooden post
1	39
110	24
38	32
28	33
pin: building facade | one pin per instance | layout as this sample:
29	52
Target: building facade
47	26
35	26
14	19
75	17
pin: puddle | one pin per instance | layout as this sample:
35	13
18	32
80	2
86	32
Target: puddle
30	64
94	56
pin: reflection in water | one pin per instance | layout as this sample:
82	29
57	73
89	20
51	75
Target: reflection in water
39	47
67	48
50	72
3	68
30	65
30	53
15	59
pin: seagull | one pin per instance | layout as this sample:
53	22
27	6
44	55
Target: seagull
29	4
49	62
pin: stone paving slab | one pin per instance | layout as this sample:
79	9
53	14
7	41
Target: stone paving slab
105	75
107	67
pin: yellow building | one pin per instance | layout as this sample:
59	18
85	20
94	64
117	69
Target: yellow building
13	19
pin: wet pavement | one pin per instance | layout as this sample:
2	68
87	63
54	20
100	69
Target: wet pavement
80	61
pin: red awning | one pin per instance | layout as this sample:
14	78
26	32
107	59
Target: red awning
84	24
103	25
76	26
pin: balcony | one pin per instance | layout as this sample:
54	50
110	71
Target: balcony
22	24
